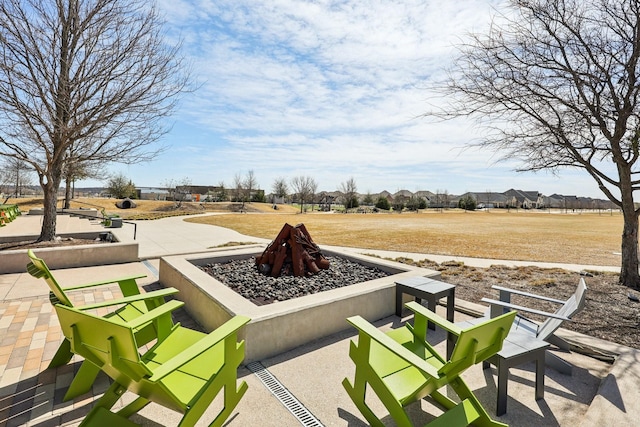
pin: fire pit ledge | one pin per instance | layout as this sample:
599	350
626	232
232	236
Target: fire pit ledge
279	327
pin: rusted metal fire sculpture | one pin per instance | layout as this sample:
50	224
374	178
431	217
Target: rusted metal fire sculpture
292	252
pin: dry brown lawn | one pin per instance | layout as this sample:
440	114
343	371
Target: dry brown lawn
586	238
583	238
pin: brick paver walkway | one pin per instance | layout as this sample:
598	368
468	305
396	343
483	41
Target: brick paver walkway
31	394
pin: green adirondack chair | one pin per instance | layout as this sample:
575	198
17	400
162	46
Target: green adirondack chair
184	371
401	367
133	305
8	213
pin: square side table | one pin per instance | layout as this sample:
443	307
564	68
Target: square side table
432	291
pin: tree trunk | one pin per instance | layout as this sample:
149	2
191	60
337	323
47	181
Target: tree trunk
50	184
48	231
67	193
629	275
17	182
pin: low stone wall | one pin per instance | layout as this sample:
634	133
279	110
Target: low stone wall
282	326
91	212
82	212
15	261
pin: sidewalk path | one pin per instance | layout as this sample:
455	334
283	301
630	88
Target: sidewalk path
175	236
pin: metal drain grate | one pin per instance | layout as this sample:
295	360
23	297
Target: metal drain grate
292	404
151	268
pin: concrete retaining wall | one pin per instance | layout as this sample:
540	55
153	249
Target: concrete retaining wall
282	326
91	212
15	261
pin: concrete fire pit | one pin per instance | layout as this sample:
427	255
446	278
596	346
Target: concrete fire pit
281	326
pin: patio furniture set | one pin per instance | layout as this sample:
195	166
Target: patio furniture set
8	213
184	370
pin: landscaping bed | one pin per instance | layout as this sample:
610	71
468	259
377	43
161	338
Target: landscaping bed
609	313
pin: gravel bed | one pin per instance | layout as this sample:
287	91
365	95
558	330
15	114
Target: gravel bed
243	277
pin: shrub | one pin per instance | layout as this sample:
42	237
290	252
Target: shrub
383	203
398	206
467	203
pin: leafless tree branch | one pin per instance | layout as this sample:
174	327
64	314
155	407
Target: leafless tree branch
88	81
555	84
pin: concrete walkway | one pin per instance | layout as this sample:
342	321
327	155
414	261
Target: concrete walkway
597	394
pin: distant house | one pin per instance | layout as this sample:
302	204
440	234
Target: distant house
209	193
325	200
427	196
488	199
524	199
385	194
554	201
152	193
443	200
404	194
272	198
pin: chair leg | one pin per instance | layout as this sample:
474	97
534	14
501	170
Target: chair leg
108	399
232	396
83	380
63	355
232	393
366	378
540	369
226	381
464	392
462	414
133	407
503	382
357	393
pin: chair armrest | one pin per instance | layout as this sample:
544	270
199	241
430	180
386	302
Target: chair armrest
161	293
521	308
422	313
387	342
228	328
157	312
526	294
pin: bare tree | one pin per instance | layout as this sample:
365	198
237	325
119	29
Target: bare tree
238	189
83	80
305	188
489	196
221	195
313	190
557	84
179	189
349	189
250	184
280	188
74	171
445	197
17	174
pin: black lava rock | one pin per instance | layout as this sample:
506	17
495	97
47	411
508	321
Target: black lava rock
244	278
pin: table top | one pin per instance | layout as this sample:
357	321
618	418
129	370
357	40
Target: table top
425	284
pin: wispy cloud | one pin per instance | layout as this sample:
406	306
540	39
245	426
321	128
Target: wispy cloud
325	88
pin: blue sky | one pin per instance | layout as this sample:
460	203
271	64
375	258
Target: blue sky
332	90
